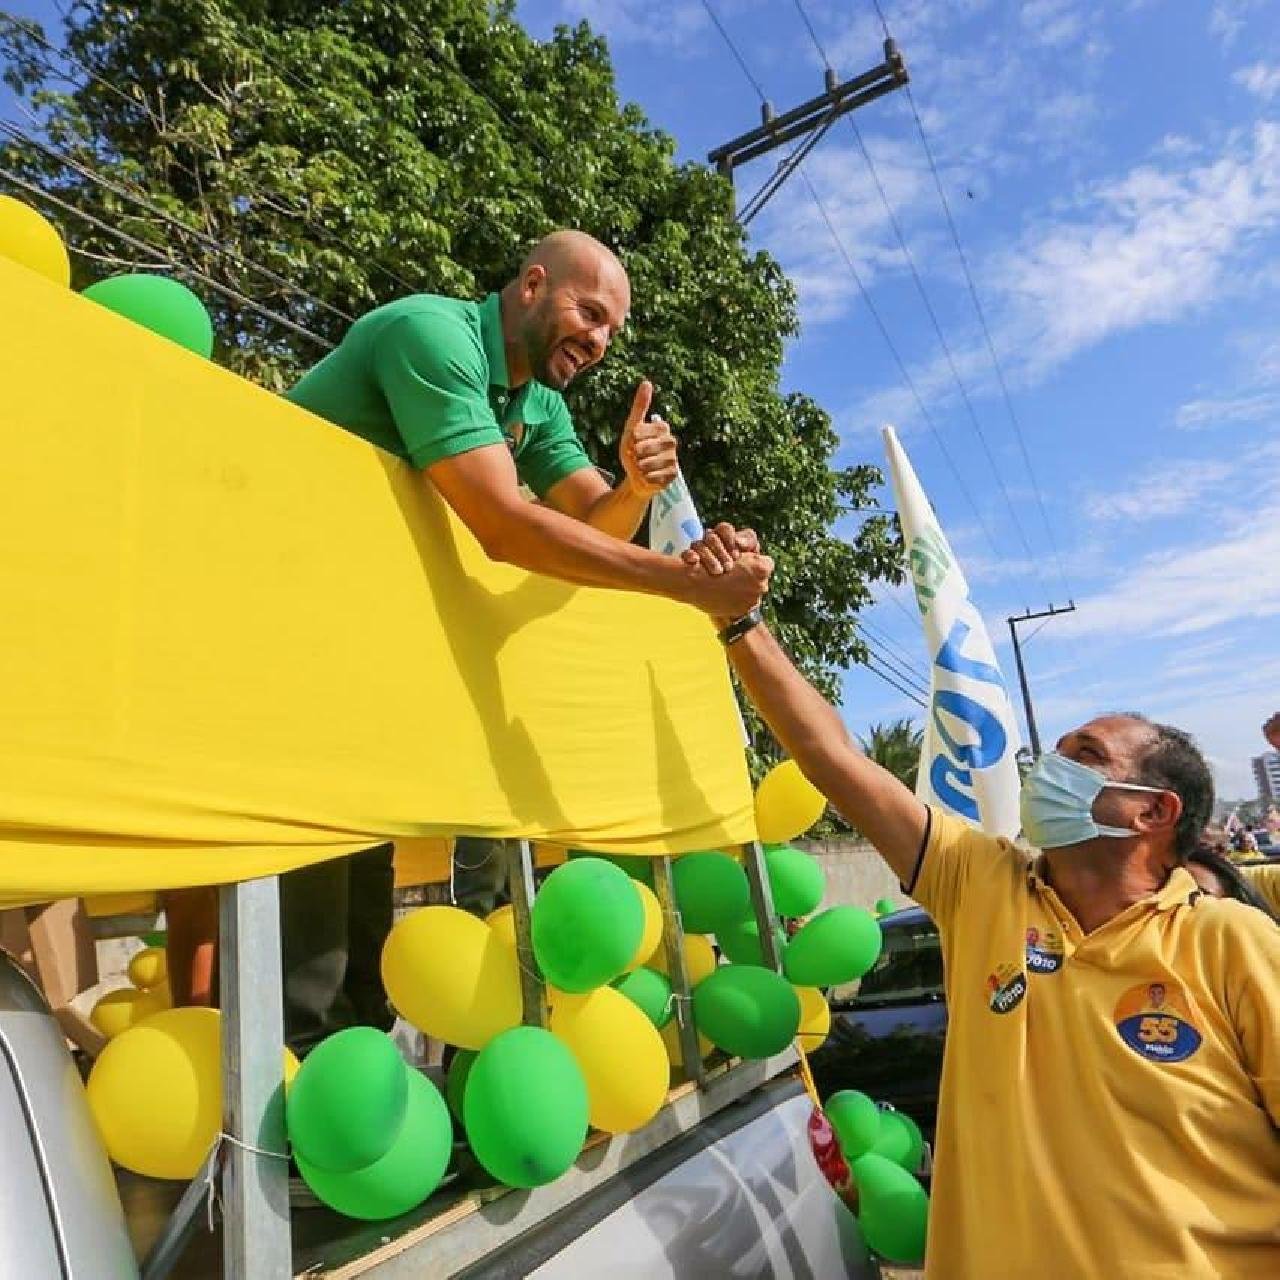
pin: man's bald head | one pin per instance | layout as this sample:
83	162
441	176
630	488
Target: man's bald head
562	311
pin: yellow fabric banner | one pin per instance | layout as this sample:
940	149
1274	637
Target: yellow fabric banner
235	639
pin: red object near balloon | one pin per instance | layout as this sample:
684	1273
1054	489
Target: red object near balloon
827	1153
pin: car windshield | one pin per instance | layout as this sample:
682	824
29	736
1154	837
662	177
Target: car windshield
909	968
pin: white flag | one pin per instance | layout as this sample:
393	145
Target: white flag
673	519
674	526
967	763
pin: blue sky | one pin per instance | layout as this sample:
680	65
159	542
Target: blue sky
1114	170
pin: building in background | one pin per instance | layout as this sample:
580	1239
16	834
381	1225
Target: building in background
1266	769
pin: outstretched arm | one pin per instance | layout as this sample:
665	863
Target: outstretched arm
869	797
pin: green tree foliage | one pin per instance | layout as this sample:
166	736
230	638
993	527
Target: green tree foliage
896	747
367	149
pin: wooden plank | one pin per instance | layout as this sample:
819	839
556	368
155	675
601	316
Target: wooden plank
255	1187
62	944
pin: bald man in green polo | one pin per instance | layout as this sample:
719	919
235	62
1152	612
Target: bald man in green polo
469	394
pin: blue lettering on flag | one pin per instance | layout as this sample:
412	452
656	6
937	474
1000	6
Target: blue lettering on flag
950	771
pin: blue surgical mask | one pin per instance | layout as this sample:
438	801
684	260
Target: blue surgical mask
1057	802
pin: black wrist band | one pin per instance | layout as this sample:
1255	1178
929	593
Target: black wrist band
740	626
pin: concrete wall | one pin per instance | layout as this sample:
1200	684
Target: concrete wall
856	874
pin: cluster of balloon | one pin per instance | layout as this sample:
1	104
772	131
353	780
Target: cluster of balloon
155	1092
157	303
371	1136
873	1166
125	1007
744	1008
525	1096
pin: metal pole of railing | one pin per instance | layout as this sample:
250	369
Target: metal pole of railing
256	1238
533	989
673	942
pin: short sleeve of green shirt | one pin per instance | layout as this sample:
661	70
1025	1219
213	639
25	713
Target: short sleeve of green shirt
434	375
552	450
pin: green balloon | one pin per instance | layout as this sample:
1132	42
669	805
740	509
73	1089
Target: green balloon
747	1011
409	1171
838	945
455	1084
899	1139
162	305
711	891
884	906
636	867
796	880
526	1107
856	1121
347	1103
740	941
587	923
650	992
893	1209
160	939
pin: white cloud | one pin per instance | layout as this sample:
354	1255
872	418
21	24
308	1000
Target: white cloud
1227	18
1146	248
1261	80
1054	22
675	26
1254	407
1226	578
1172	489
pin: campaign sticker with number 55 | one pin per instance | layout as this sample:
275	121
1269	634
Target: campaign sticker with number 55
1153	1019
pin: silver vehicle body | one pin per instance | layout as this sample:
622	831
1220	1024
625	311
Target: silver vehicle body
60	1215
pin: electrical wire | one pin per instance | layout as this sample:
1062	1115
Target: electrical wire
200	236
320	231
192	272
733	49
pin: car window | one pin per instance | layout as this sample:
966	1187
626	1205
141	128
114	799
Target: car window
909	967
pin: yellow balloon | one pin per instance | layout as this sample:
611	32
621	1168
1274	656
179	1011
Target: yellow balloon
30	239
651	939
117	1011
503	923
149	968
452	976
699	958
787	804
621	1056
815	1018
156	1092
671	1040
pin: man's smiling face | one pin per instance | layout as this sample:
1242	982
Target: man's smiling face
573	320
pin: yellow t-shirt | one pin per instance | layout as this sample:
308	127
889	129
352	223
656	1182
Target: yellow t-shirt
1265	877
1109	1101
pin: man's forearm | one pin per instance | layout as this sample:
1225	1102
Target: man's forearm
544	541
619	512
810	729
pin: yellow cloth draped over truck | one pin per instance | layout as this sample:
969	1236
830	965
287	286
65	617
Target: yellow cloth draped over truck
235	639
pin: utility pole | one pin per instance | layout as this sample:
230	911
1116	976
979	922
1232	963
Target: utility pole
812	118
1050	612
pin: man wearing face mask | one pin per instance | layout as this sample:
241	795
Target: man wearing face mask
1111	1084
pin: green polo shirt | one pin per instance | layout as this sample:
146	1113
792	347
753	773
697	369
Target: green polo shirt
425	378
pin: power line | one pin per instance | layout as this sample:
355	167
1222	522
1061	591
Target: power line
202	237
733	49
320	231
928	304
880	324
883	658
889	680
142	246
893	646
898	360
986	332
